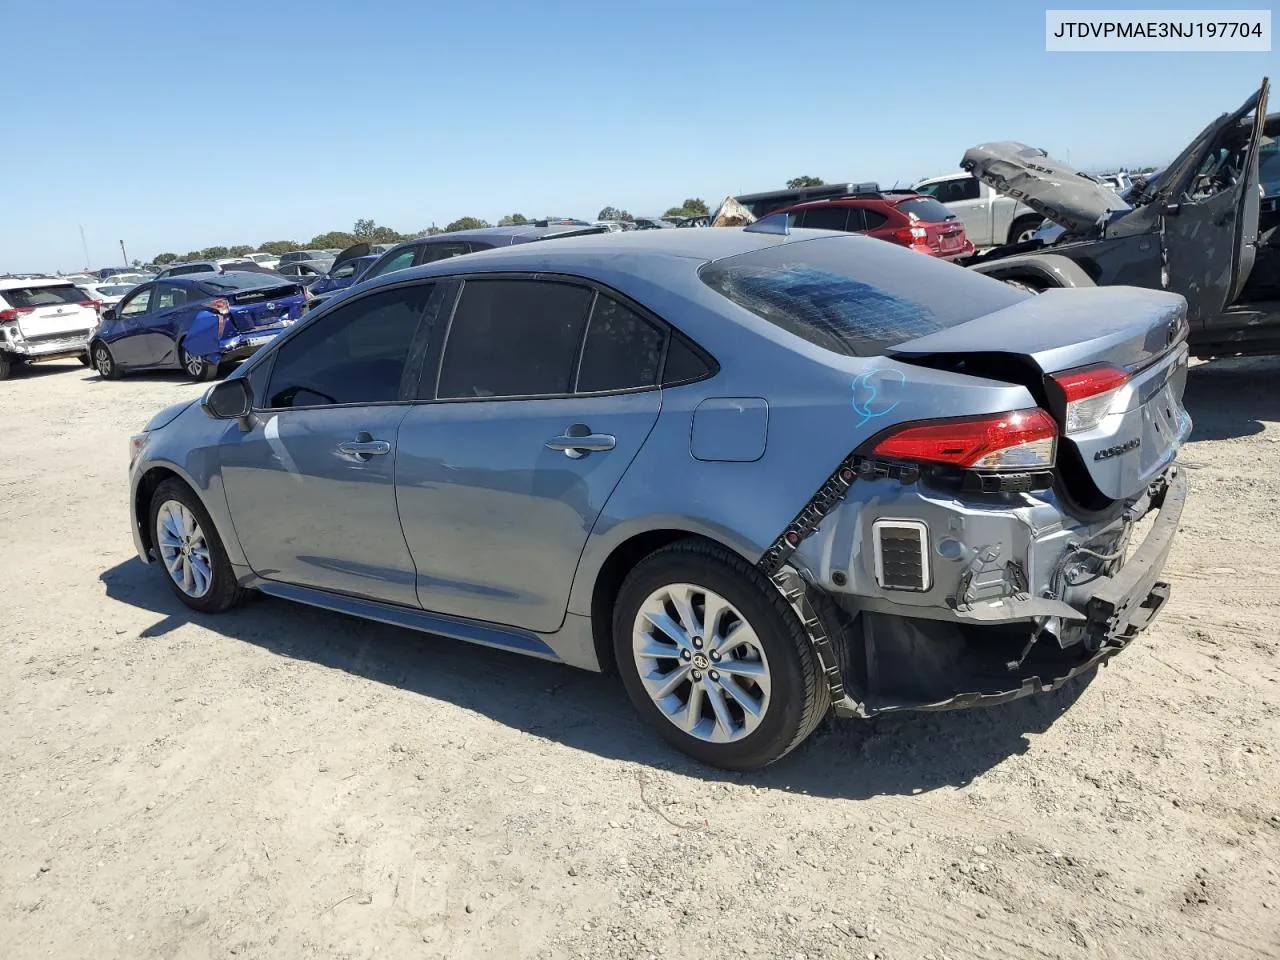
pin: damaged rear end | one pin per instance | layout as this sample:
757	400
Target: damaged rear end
978	557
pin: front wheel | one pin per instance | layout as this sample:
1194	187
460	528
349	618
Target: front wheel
714	658
197	368
189	548
104	362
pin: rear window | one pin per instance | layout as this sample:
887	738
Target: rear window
854	296
49	296
194	268
230	282
924	208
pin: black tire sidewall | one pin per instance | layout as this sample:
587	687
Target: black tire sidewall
223	590
785	714
113	369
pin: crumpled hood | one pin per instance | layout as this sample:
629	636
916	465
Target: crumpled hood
167	415
1061	193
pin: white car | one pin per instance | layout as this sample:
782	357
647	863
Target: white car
990	220
106	293
44	319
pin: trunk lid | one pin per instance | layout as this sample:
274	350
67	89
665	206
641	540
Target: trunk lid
265	307
1142	333
1080	203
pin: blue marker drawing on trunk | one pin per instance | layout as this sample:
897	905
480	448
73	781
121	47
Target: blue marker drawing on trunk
869	401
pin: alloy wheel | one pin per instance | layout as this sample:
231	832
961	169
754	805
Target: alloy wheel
184	551
102	360
195	366
701	663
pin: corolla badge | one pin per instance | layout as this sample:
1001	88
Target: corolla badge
871	390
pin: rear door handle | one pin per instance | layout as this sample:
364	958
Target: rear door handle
578	441
363	447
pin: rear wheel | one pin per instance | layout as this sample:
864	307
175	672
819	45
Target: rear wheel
191	552
84	359
197	368
104	362
713	657
6	366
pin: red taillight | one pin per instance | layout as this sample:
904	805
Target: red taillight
13	313
910	235
1090	393
1020	440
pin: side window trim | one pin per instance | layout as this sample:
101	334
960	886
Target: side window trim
406	380
582	341
435	354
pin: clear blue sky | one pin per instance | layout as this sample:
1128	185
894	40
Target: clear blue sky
175	126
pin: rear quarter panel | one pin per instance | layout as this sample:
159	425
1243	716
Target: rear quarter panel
821	406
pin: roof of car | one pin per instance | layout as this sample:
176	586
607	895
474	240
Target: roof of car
889	198
635	247
13	283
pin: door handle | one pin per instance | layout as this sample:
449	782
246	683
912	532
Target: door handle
578	441
363	447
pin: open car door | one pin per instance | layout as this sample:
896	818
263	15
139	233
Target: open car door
1209	205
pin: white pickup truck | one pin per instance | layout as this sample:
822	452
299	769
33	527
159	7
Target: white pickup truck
990	220
43	319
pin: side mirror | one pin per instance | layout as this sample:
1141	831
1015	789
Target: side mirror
109	313
228	400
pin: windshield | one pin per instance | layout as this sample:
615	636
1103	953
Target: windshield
855	296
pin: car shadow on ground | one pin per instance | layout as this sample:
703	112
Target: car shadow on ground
1233	397
892	755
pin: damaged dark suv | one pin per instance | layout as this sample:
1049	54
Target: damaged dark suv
1203	227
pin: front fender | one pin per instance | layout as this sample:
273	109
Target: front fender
202	337
1042	269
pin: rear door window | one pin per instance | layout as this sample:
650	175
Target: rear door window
355	354
870	219
854	302
169	295
825	218
951	191
514	338
622	351
432	252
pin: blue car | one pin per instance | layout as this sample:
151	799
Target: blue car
342	274
193	323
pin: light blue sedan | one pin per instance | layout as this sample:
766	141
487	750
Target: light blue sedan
763	474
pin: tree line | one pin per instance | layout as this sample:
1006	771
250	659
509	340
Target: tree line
367	231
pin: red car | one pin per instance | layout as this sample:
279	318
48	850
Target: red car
909	219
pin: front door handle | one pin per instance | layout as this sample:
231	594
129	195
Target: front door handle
363	447
578	441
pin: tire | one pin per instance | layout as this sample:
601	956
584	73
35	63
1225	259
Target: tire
213	591
1023	228
84	359
796	699
104	362
197	368
6	366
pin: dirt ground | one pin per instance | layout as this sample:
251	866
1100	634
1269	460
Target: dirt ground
283	782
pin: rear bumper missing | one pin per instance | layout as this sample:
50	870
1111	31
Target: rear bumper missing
941	660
